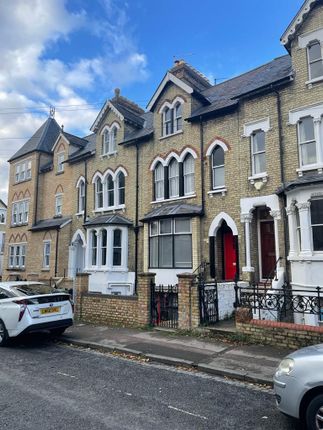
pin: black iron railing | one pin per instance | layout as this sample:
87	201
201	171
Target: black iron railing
281	302
164	305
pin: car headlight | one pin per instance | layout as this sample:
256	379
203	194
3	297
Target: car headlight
285	367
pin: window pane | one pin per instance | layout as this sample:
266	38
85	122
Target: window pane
218	177
165	251
318	238
154	228
218	156
117	256
306	129
317	211
117	238
314	52
316	69
165	226
260	163
183	225
183	251
153	252
308	153
258	141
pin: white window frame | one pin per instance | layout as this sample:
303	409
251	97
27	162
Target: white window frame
170	125
81	197
309	62
17	254
316	140
119	188
46	254
20	212
59	207
217	167
3	216
22	171
174	179
254	154
60	161
158	181
109	140
189	174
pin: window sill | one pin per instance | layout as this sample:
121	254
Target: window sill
313	81
311	257
110	209
108	155
17	269
106	269
263	176
23	224
45	270
58	216
22	181
189	196
221	190
79	214
170	135
59	173
318	167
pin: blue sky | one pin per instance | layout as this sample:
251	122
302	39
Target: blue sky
72	53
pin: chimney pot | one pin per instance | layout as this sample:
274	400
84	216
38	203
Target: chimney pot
117	92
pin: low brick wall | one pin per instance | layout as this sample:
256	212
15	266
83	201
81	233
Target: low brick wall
280	334
109	310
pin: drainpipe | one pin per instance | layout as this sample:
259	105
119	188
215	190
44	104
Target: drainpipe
36	193
136	228
85	191
202	188
282	178
56	251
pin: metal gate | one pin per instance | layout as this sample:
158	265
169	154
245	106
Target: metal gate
164	305
209	303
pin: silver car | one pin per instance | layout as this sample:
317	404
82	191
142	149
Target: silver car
298	386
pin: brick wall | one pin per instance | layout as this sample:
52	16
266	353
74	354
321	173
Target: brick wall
281	334
110	310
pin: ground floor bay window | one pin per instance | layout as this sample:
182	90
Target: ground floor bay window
170	243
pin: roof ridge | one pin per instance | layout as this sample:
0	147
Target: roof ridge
129	104
248	71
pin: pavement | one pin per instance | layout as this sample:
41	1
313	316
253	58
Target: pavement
249	363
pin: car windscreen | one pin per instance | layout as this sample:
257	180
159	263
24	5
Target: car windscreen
32	290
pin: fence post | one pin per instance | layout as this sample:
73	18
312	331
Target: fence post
236	291
145	280
319	302
188	302
81	287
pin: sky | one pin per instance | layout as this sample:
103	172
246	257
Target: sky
72	54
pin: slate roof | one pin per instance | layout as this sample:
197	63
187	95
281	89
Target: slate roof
171	210
307	179
108	220
3	203
86	150
50	224
146	131
75	140
226	94
129	114
43	140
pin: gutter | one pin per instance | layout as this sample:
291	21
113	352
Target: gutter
37	186
85	191
56	250
136	228
202	189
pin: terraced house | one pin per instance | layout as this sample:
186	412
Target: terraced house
227	174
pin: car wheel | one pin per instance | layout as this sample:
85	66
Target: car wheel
314	413
3	334
57	332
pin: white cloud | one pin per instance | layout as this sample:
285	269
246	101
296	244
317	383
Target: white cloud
31	80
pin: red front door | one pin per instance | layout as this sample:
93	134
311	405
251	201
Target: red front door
230	256
268	256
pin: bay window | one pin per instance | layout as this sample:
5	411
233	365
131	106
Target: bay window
170	243
317	224
117	247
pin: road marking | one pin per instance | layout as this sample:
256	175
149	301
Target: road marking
188	413
128	394
65	374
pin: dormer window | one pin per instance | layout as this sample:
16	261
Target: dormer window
109	140
315	61
172	117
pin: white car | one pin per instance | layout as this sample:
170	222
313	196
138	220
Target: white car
24	308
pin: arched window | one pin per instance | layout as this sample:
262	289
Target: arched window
81	196
103	248
168	121
117	247
113	140
159	181
218	167
121	188
173	178
94	247
98	194
105	142
110	190
109	139
188	174
178	113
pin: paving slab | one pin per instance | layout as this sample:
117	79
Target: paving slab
253	363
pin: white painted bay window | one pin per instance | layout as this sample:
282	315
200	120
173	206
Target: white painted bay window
317	224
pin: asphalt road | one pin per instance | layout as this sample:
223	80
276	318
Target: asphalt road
50	386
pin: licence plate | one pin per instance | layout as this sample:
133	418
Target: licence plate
49	310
